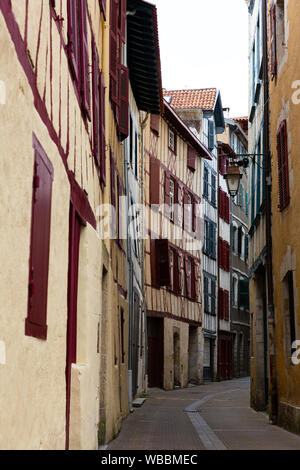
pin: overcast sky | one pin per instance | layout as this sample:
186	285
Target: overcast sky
204	44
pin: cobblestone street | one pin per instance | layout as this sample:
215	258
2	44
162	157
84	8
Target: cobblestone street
208	417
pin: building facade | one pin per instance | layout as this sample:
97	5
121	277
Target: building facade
283	43
235	143
173	251
202	112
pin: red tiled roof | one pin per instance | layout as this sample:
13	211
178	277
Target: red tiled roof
243	122
204	98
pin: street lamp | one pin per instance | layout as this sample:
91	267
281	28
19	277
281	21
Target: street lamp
233	178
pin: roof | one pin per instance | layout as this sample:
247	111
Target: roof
204	98
143	56
243	122
175	121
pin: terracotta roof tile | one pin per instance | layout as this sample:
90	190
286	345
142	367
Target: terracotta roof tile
204	98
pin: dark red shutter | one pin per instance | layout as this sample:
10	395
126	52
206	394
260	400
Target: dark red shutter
179	272
154	181
226	305
96	111
123	9
220	203
176	271
227	214
163	262
153	263
102	131
185	209
84	56
194	214
283	166
186	270
273	40
36	322
178	200
220	252
113	220
154	123
73	45
103	7
227	256
124	102
221	304
113	52
191	158
167	193
193	279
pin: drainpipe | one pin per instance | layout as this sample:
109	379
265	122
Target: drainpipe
143	124
269	262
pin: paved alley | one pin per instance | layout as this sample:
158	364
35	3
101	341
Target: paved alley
216	416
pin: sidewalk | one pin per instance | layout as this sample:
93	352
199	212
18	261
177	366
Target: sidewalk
214	416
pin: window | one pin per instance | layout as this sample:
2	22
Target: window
162	262
224	203
283	167
78	51
210	230
98	115
209	294
243	293
172	141
172	199
154	181
188	277
189	212
234	238
223	304
122	321
289	313
171	269
224	254
205	185
235	290
36	321
246	248
209	185
211	135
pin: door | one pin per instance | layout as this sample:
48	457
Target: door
135	343
155	327
74	239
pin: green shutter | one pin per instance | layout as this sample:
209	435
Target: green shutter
211	135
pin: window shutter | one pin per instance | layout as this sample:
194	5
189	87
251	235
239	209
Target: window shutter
96	111
163	262
154	123
179	272
273	41
36	322
213	189
120	211
194	214
197	280
113	52
246	247
193	279
153	263
84	56
113	197
154	181
220	246
178	202
191	158
103	7
73	45
283	167
167	194
244	294
205	186
102	131
188	289
123	9
176	271
124	102
227	264
213	296
206	304
211	135
221	304
240	240
227	212
221	203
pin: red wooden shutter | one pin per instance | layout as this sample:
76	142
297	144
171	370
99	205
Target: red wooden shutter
227	215
227	256
193	279
102	131
124	102
113	197
179	272
167	194
221	304
154	123
185	209
73	45
178	202
36	322
283	166
96	112
84	55
191	158
221	258
154	181
113	52
163	262
186	271
123	9
273	41
194	214
103	7
176	271
153	264
221	203
226	305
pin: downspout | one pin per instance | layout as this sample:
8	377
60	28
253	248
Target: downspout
269	262
143	124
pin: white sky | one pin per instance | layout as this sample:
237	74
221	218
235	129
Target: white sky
204	44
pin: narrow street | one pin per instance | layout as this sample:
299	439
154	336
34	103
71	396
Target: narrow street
216	416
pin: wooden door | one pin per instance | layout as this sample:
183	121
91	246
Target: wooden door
155	328
74	239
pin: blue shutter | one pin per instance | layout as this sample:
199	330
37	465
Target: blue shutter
213	296
205	294
213	189
211	135
205	185
244	294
